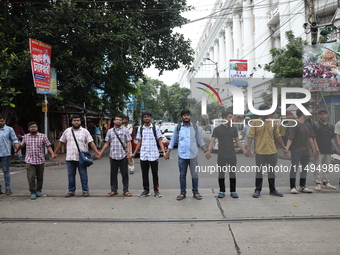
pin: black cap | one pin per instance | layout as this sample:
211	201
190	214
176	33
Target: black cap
322	110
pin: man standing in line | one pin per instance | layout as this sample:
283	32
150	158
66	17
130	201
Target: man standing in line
131	162
35	143
7	138
300	138
324	134
83	137
189	138
119	140
225	134
148	136
265	132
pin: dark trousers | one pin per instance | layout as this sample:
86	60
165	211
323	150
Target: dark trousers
296	160
122	164
145	165
222	161
35	172
268	161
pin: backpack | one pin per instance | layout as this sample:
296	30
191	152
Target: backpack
179	128
154	133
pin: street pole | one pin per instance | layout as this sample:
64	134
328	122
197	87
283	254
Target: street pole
46	121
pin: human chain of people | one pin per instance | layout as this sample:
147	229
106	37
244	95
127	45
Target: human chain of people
260	139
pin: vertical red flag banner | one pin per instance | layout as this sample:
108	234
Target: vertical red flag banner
41	63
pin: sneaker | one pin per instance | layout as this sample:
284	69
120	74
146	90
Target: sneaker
305	190
276	193
38	194
157	194
221	195
144	194
8	192
293	191
70	194
318	187
132	172
86	193
328	186
33	196
256	193
233	195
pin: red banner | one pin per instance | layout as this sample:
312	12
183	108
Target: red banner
41	63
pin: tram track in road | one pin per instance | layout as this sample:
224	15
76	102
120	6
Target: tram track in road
196	220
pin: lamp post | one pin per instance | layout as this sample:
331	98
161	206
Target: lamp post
216	68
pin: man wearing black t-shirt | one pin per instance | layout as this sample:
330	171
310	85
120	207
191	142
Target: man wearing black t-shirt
324	135
226	159
300	139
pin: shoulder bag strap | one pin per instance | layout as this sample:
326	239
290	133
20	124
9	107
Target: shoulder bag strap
119	139
74	137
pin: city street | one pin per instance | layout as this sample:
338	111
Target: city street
102	225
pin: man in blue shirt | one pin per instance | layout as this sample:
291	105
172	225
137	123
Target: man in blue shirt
7	138
189	138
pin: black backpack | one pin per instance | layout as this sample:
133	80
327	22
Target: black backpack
154	133
179	128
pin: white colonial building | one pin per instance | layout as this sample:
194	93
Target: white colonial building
248	29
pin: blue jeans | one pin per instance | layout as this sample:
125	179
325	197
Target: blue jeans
72	170
183	166
5	169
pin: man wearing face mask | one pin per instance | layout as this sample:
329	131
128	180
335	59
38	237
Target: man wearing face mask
189	138
35	143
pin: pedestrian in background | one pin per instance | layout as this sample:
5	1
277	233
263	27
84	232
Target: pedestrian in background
84	138
35	144
189	138
7	138
19	132
119	140
131	163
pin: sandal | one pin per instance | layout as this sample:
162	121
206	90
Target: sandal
112	193
127	193
180	197
198	196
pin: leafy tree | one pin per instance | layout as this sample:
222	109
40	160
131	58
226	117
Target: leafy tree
287	64
96	45
165	102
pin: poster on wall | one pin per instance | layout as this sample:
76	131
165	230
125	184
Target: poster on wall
321	71
238	72
41	63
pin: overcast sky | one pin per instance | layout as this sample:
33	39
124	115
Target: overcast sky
190	31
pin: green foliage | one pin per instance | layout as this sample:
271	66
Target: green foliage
101	45
287	66
164	102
